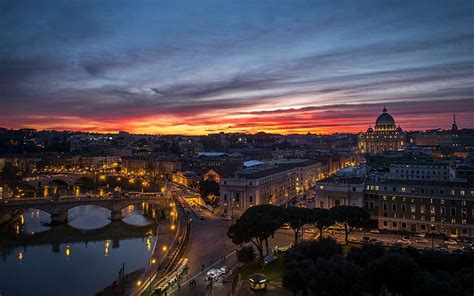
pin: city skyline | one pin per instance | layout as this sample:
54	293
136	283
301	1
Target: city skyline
278	67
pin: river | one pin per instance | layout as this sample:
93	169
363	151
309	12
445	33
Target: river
80	258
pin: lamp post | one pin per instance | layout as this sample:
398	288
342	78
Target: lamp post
232	211
432	228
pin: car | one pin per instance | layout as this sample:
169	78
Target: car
451	241
375	231
281	249
227	218
333	230
443	249
365	239
420	235
467	248
285	226
404	241
374	240
310	230
421	241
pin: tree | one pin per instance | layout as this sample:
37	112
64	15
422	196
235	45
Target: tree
11	175
207	189
336	276
322	218
256	225
246	254
325	248
438	284
299	262
297	218
394	272
297	275
366	254
351	217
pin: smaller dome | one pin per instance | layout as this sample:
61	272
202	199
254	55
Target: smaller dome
399	129
370	130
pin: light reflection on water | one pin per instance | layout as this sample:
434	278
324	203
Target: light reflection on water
76	268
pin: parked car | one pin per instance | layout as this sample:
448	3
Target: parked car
310	230
404	241
281	249
451	241
375	231
285	226
420	235
365	239
421	241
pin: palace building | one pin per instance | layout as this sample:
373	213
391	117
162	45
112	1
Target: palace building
386	136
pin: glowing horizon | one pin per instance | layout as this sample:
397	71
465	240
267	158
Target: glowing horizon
283	67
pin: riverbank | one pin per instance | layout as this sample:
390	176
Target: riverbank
117	289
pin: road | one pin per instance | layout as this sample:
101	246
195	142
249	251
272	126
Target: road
208	246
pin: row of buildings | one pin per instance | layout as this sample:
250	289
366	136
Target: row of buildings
409	190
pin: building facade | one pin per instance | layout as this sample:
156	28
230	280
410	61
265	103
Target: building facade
273	183
422	206
386	136
340	191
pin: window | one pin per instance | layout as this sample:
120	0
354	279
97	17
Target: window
422	209
337	202
394	207
433	210
404	225
453	212
385	223
442	211
412	209
321	204
394	224
385	206
404	208
463	212
250	199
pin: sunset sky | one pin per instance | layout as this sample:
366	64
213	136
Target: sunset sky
198	67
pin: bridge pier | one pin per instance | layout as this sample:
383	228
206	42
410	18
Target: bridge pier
116	215
59	217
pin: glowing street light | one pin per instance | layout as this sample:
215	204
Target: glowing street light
68	252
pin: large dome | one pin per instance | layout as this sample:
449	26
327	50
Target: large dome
385	119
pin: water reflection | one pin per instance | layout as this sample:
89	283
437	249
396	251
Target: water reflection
79	258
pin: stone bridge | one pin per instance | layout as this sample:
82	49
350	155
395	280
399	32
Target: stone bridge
58	209
42	181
